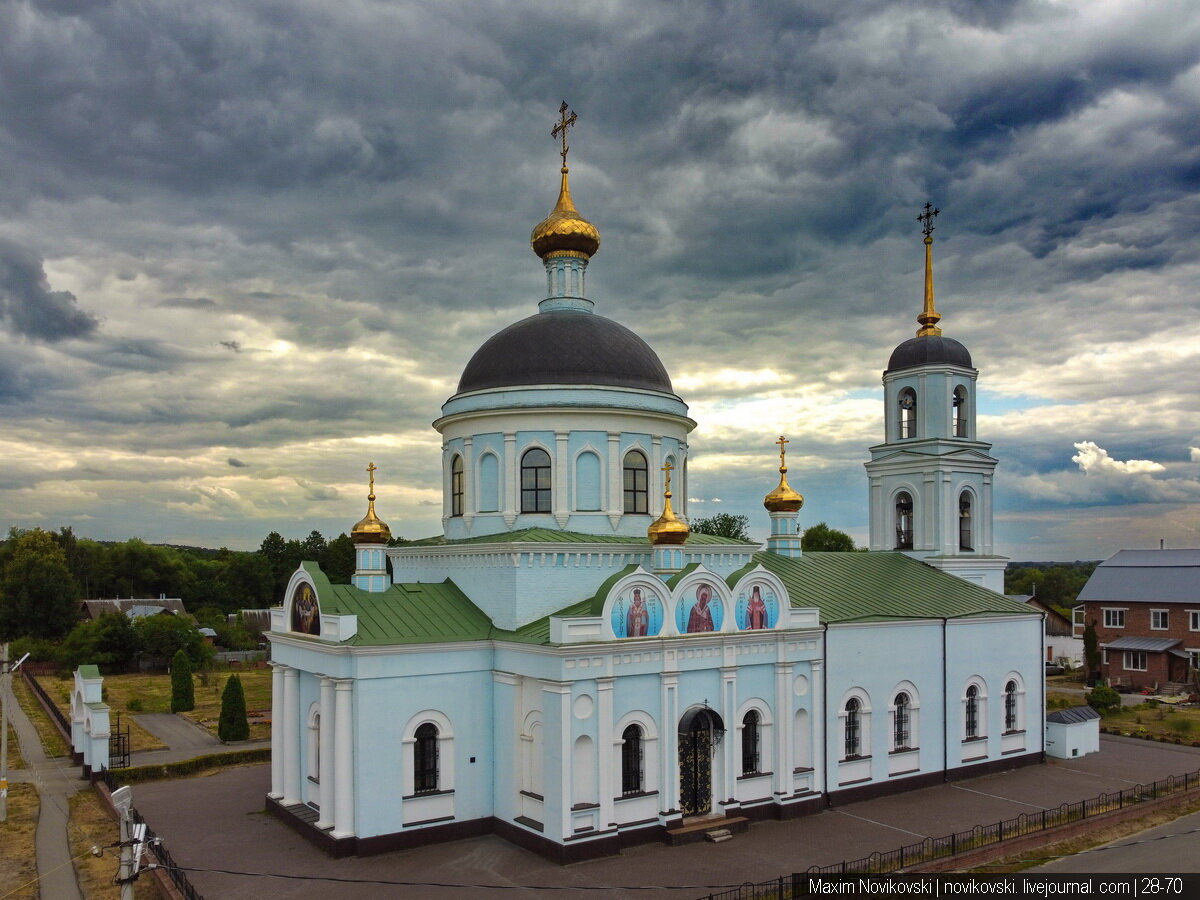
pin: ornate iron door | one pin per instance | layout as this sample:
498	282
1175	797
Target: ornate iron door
695	768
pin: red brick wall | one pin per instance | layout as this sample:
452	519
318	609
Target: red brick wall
1160	667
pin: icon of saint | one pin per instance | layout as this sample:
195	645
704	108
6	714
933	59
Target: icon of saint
756	611
305	610
637	620
700	619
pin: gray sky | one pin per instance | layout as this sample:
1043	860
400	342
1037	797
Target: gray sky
246	247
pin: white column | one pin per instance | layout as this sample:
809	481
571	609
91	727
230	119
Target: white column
343	759
784	723
276	731
512	471
606	742
668	783
291	737
327	751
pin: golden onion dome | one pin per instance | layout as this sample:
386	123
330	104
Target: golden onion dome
565	232
783	498
371	529
668	528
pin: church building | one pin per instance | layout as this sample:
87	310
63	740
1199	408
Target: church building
570	667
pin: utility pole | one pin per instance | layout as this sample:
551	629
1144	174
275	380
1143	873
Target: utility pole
5	699
132	839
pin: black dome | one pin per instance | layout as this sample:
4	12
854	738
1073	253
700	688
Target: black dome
565	347
929	350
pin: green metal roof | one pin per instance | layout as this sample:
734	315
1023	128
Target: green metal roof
881	586
553	536
89	671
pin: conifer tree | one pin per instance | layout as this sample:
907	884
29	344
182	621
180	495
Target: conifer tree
183	692
233	726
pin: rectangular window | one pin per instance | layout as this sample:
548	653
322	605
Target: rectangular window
1135	660
1194	619
1159	619
1114	618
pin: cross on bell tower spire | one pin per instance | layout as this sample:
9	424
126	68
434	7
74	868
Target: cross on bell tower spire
929	316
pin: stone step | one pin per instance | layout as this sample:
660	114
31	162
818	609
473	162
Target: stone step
697	829
720	834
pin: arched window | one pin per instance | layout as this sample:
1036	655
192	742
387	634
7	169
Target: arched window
901	723
972	712
751	741
908	413
314	744
425	758
456	486
535	481
637	488
1011	720
965	539
853	728
632	770
904	521
959	412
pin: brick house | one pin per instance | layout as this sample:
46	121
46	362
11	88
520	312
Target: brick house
1146	606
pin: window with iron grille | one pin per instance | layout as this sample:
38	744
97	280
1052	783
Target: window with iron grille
972	712
901	732
456	486
425	758
535	481
853	728
750	742
631	760
1010	706
637	488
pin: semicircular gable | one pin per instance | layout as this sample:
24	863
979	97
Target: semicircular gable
702	603
637	606
760	601
302	606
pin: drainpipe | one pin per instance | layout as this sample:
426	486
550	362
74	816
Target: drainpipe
945	711
825	711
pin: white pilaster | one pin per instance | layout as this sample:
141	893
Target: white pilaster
469	494
326	744
784	723
616	482
561	494
821	732
725	791
343	759
606	743
276	731
291	737
669	730
657	480
512	472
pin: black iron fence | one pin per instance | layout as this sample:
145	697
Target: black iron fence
49	705
935	848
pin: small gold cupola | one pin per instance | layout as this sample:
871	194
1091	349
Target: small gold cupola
371	529
564	232
783	498
668	528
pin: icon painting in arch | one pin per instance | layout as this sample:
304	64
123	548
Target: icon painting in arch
699	610
757	608
637	612
306	615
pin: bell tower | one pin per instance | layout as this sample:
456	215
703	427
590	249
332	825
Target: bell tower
931	478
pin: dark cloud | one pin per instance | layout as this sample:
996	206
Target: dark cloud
187	303
28	305
237	463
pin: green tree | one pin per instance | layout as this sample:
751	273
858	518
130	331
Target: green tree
38	596
109	642
162	636
314	547
1091	649
724	525
338	561
183	691
822	537
233	724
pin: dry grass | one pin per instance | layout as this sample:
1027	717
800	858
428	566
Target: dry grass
15	759
18	864
52	740
93	825
152	693
1094	838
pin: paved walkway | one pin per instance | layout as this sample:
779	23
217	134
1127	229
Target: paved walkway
245	839
57	780
178	732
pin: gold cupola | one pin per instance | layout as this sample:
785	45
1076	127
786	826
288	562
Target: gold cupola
668	528
783	498
564	232
371	529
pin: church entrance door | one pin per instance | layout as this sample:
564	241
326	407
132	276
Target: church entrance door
697	730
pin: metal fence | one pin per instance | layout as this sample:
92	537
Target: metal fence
155	848
934	848
49	705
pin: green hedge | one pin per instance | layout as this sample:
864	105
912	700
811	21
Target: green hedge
185	767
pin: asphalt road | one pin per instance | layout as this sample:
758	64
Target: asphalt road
1165	849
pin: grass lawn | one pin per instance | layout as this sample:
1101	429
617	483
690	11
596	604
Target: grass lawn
92	825
1157	720
52	740
18	865
151	693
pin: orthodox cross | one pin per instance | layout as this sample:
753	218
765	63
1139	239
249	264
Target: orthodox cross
567	118
926	218
667	468
781	442
371	467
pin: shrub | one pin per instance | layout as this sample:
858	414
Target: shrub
1182	726
183	692
134	705
233	725
1104	700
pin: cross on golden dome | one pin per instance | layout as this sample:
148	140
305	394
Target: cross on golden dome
783	498
564	232
371	529
667	528
566	120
